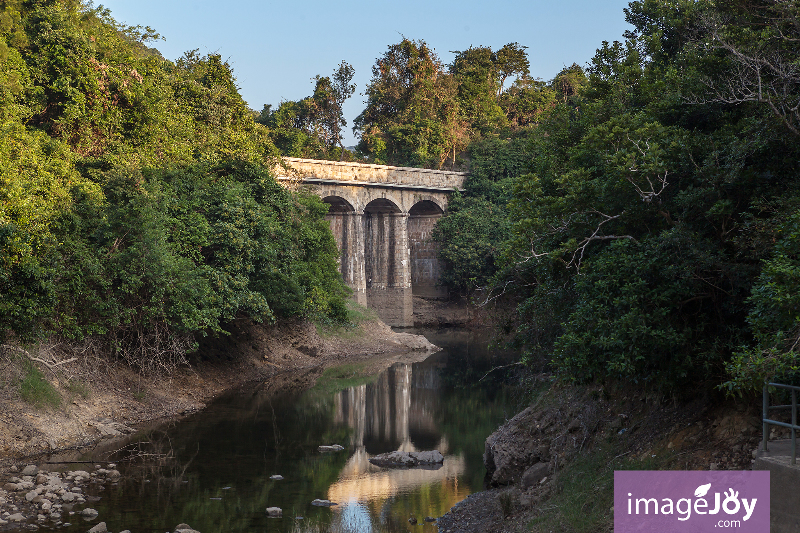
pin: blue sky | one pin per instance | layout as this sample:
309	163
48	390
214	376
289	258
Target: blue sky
276	48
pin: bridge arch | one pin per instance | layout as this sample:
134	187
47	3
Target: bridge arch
425	268
426	208
338	204
386	260
382	205
428	204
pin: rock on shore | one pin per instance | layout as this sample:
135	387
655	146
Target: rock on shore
40	498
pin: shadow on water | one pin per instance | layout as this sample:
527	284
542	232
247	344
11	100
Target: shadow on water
213	469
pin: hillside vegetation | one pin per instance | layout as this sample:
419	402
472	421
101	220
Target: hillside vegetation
640	213
136	205
646	225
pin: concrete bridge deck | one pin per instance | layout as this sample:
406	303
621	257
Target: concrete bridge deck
382	217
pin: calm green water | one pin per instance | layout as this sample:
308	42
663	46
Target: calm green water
212	470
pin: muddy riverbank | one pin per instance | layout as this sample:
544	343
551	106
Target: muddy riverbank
90	399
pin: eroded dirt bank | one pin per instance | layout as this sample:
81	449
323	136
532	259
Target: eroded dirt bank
101	400
550	467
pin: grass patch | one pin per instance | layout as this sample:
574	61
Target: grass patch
78	388
584	495
35	389
357	314
342	377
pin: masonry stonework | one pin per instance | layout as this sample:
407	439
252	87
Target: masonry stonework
382	218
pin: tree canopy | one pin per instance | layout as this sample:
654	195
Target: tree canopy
652	228
137	205
639	212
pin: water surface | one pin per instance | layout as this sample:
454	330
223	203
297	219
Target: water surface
212	470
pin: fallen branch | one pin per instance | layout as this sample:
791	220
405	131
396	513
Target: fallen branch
499	367
49	365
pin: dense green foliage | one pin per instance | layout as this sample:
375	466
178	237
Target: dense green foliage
644	244
641	213
137	208
472	234
412	116
651	229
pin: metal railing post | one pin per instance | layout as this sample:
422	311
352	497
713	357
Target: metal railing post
794	425
764	418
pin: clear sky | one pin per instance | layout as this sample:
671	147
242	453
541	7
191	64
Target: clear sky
277	47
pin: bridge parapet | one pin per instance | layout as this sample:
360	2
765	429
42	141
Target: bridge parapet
376	175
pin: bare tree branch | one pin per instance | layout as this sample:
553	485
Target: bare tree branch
578	254
51	365
762	73
661	183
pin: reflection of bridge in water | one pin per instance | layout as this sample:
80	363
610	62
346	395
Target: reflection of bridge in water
394	413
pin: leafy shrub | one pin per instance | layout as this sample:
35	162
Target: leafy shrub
774	317
643	313
182	250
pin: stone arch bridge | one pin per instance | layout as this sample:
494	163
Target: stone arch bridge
382	218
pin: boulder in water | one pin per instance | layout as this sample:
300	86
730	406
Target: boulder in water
89	513
331	448
274	512
408	459
184	528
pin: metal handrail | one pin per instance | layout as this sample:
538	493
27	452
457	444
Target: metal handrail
765	420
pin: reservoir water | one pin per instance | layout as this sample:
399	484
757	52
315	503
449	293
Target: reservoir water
212	470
